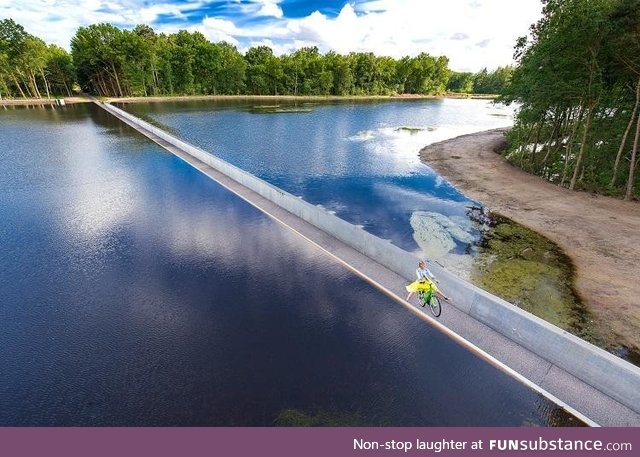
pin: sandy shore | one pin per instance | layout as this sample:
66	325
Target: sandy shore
601	235
303	98
284	98
41	101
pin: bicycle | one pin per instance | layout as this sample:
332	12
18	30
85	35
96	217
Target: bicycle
429	297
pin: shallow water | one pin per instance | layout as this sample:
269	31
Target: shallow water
528	270
136	291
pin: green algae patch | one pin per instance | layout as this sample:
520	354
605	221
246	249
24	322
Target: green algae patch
275	109
322	418
526	269
414	130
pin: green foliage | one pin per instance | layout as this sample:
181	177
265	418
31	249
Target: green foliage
30	68
494	82
460	82
483	82
423	74
578	86
110	62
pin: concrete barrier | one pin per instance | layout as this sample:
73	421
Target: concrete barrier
611	375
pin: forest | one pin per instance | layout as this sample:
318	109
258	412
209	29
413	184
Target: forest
576	83
577	86
108	61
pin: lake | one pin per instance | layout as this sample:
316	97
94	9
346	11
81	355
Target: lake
357	159
134	290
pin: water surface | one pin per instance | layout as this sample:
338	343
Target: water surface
357	159
136	291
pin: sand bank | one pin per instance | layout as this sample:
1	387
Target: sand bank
601	235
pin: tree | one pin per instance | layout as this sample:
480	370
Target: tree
460	82
60	70
577	83
12	46
232	71
109	61
98	56
260	64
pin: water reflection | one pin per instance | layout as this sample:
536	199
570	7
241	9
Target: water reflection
136	291
357	159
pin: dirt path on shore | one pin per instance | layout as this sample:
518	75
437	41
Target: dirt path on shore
601	235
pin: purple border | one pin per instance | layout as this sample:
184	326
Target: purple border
307	442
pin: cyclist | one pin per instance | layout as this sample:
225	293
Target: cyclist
424	281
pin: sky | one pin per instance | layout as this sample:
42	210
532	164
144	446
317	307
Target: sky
473	34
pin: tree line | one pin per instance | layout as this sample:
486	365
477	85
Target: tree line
108	61
31	68
578	86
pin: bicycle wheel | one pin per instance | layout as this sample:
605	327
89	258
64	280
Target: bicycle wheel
422	297
434	305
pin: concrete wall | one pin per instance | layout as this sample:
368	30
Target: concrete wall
602	370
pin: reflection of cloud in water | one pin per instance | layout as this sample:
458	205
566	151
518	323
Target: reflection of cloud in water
100	199
363	135
248	244
437	234
393	150
407	197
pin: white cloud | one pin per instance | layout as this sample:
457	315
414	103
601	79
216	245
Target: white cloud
270	9
472	33
56	21
219	30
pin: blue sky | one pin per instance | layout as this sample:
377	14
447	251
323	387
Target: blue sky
472	33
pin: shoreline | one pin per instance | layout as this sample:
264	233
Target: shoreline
178	98
42	101
599	234
312	98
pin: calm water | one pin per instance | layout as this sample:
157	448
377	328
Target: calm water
357	159
136	291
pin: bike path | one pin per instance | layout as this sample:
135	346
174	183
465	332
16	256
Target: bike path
570	393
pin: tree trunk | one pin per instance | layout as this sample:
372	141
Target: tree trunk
27	87
144	84
632	165
5	88
557	126
102	85
583	143
105	89
154	79
624	137
34	83
114	92
115	74
46	84
565	170
536	140
15	80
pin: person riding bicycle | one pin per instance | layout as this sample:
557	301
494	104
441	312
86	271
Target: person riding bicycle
425	281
